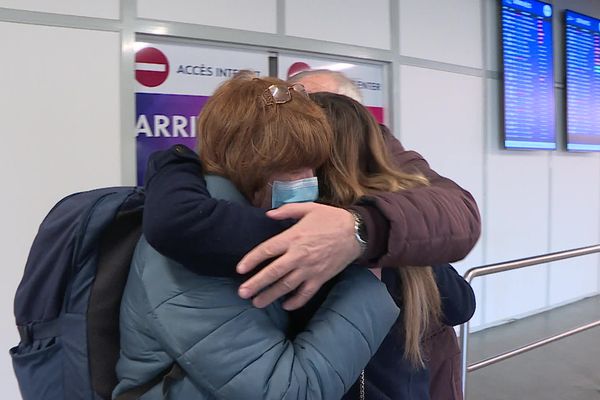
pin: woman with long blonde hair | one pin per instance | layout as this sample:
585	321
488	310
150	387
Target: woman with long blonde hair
361	166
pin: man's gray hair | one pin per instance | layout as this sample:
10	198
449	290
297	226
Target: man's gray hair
343	84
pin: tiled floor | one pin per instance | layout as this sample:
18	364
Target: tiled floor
568	369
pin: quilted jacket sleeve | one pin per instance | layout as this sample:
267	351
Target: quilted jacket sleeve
240	352
422	226
183	221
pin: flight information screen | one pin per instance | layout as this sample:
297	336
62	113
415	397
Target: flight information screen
583	82
528	75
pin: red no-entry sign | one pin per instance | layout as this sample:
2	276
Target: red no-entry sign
151	67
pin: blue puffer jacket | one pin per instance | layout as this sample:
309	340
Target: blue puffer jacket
229	349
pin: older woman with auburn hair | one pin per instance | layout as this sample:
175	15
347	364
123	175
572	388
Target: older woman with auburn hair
190	335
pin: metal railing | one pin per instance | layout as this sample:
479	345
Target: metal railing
508	266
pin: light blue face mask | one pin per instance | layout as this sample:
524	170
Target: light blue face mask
299	191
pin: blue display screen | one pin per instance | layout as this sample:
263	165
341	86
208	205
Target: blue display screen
583	82
529	113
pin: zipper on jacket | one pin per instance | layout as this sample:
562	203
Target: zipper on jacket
361	388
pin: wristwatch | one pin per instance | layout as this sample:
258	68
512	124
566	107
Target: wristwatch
360	230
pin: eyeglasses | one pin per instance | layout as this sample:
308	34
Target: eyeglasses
280	94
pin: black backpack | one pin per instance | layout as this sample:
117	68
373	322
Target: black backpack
67	304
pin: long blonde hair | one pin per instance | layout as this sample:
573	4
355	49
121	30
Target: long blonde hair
361	165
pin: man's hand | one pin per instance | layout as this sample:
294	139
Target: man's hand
319	246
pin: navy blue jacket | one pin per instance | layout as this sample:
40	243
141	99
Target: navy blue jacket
200	228
174	179
388	376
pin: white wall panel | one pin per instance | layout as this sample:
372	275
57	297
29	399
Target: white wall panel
441	118
258	15
87	8
515	294
358	22
61	134
574	223
447	31
516	227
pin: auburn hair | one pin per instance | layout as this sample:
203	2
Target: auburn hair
245	138
361	165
